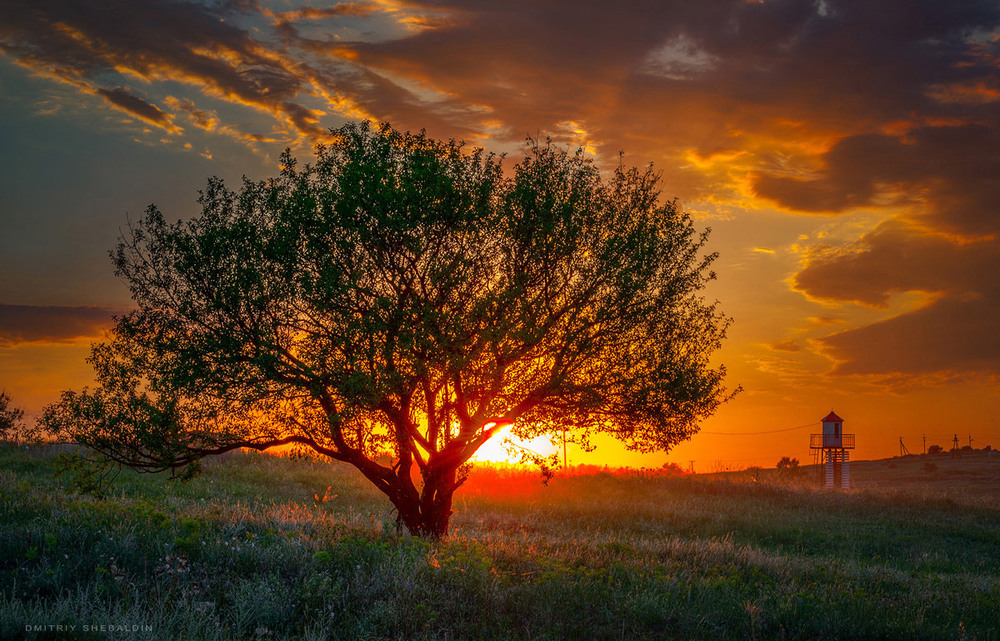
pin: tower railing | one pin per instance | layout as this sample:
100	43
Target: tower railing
823	441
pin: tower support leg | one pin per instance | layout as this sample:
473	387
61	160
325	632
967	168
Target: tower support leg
845	471
829	469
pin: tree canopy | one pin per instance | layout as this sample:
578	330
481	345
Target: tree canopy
395	304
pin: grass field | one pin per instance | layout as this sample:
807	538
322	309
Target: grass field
246	551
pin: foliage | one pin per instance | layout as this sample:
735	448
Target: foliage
788	466
935	450
12	427
672	469
396	304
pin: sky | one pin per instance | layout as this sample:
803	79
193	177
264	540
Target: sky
845	154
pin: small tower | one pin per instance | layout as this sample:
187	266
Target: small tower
831	448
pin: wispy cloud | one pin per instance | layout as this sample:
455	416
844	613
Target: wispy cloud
101	48
786	346
136	106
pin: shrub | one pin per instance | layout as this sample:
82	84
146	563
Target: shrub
11	420
788	466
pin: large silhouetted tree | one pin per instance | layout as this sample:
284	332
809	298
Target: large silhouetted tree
397	303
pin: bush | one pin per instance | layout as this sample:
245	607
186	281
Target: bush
11	420
788	466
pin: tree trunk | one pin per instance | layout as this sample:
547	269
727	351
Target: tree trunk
429	517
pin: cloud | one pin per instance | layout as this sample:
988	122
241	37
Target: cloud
34	324
207	120
955	331
136	106
786	346
100	46
897	257
950	173
952	335
680	58
779	81
657	81
316	13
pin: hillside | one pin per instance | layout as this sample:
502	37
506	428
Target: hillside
968	474
969	477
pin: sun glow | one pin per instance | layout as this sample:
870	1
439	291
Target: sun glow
504	448
493	450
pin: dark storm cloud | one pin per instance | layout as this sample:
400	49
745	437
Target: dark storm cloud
917	130
29	324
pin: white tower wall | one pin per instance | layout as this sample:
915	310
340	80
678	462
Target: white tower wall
833	434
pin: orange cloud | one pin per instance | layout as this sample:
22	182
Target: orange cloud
160	42
786	346
313	13
137	107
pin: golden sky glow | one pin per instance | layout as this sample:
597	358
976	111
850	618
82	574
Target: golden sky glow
845	154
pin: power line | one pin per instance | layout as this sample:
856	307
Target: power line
787	429
950	439
868	430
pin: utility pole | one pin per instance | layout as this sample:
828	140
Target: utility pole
954	445
902	448
970	441
692	466
925	443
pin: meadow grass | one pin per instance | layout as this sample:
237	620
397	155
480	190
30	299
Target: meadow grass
262	547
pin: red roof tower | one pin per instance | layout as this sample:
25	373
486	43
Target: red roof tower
831	448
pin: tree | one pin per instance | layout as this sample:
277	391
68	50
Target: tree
786	463
11	419
397	303
787	466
